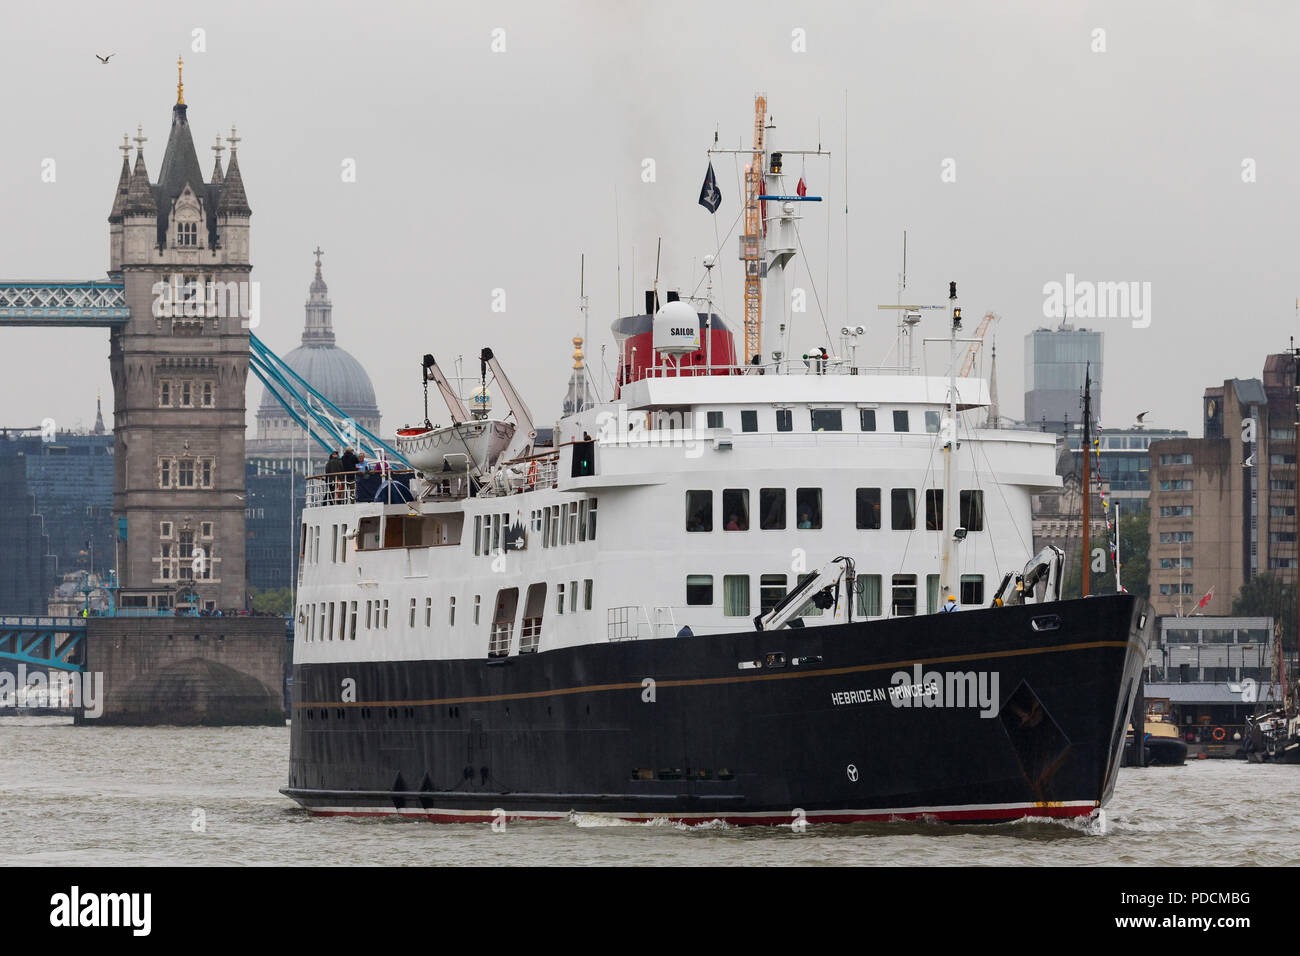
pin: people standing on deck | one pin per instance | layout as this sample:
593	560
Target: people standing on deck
333	467
949	605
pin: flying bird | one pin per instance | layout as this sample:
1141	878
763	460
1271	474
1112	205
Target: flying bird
104	59
1143	415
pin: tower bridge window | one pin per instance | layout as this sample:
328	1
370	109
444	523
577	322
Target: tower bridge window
867	418
735	595
902	510
164	393
205	472
826	420
207	394
187	395
784	420
771	589
931	422
972	510
771	507
735	506
868	508
714	419
185	473
903	600
748	420
972	589
934	509
187	234
164	473
808	504
699	511
699	589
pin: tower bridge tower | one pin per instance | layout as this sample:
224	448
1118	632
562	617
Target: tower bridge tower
180	248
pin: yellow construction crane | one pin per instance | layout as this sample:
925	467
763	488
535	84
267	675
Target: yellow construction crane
969	364
751	243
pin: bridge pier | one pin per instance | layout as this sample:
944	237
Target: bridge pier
209	671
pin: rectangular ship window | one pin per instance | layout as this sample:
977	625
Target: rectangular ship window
699	589
972	510
903	600
826	420
735	507
771	589
771	508
735	595
900	421
867	419
699	511
748	420
808	504
934	509
902	509
868	508
784	420
972	589
868	587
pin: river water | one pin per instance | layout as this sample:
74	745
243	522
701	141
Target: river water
121	796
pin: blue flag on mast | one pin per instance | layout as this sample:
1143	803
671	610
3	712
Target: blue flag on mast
710	197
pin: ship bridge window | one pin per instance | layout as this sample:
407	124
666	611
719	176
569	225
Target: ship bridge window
868	588
699	589
748	420
900	420
771	507
932	421
903	600
934	509
868	507
972	510
902	509
808	504
867	418
735	595
826	420
699	511
972	589
784	420
771	589
714	419
735	505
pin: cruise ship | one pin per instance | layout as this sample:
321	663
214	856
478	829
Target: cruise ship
759	589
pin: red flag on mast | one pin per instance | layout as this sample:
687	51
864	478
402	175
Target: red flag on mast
802	188
1205	600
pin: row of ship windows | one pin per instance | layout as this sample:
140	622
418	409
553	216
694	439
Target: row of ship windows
772	589
823	420
808	508
322	623
556	526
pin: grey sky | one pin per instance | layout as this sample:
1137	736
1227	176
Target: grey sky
479	170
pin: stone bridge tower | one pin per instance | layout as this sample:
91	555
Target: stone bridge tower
180	247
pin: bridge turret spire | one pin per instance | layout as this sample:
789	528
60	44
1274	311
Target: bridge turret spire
123	182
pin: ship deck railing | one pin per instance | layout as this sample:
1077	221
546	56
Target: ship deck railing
387	486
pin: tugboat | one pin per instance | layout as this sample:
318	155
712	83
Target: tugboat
1162	744
725	592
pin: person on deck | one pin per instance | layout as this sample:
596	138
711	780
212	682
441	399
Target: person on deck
949	605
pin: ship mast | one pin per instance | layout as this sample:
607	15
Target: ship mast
1085	568
949	448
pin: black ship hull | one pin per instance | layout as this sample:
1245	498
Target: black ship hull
979	716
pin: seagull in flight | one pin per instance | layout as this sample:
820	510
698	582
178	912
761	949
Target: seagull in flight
104	59
1142	416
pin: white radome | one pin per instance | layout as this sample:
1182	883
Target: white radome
676	329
